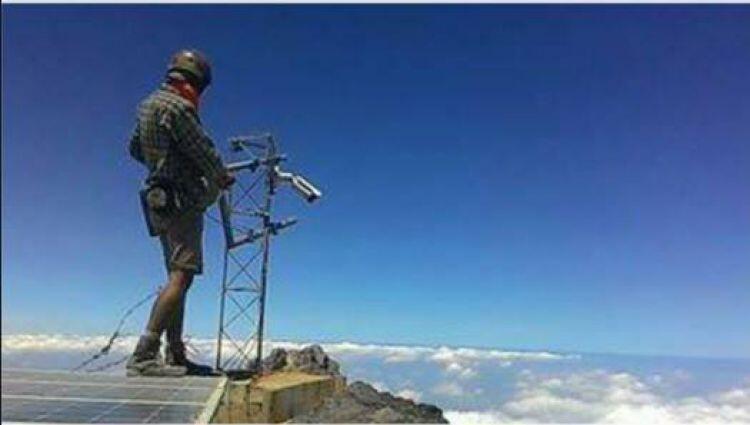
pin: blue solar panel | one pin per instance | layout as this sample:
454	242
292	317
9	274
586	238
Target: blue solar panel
41	396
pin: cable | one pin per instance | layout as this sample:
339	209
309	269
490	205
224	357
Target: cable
116	335
106	366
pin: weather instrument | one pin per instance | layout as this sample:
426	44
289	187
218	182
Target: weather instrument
248	229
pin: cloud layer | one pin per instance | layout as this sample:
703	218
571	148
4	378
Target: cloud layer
602	397
461	362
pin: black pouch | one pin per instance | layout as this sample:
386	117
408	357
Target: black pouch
161	203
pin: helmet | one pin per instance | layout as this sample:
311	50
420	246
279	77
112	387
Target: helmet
191	65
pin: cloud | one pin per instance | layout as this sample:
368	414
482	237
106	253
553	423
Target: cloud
381	386
451	389
407	392
599	396
389	353
463	362
57	351
410	394
57	342
478	418
463	371
458	362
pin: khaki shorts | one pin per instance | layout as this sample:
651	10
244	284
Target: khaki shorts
183	243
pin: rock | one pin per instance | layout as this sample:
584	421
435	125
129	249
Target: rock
357	403
386	415
361	403
318	355
311	359
276	360
365	394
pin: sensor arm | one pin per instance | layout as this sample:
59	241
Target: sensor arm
300	184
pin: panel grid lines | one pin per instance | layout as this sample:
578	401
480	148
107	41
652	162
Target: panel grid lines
38	396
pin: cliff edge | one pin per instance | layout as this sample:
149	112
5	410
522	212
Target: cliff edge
357	402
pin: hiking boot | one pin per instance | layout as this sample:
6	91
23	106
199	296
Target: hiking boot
146	361
174	355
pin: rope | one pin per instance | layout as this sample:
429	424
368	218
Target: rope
106	366
117	333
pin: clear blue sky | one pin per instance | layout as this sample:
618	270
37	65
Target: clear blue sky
557	177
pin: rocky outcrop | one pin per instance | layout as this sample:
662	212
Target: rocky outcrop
356	403
361	403
311	359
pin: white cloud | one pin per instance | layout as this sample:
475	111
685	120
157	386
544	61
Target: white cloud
459	362
65	351
389	353
735	397
410	394
599	396
380	386
478	418
462	370
56	342
451	389
463	362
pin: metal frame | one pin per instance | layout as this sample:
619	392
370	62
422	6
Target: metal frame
246	220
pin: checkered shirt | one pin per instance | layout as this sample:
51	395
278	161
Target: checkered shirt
169	140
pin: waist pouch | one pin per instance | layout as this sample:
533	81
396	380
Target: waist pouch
162	201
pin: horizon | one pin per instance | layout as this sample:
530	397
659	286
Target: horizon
283	340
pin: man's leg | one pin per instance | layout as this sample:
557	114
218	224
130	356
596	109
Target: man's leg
183	259
170	303
183	251
175	350
145	358
175	326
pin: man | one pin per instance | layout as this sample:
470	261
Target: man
186	174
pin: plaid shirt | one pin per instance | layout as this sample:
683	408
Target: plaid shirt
168	138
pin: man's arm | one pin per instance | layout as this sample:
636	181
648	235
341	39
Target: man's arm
135	145
192	141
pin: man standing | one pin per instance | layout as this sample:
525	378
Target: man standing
185	176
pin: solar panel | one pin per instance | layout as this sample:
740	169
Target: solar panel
51	396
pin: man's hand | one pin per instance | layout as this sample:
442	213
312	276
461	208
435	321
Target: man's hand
225	180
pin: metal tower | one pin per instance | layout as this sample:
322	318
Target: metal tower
248	228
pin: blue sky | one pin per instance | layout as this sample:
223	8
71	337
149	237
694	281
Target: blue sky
542	177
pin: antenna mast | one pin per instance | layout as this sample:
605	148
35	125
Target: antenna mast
247	223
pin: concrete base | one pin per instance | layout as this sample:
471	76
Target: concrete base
275	398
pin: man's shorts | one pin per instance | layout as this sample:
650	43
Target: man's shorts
183	243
